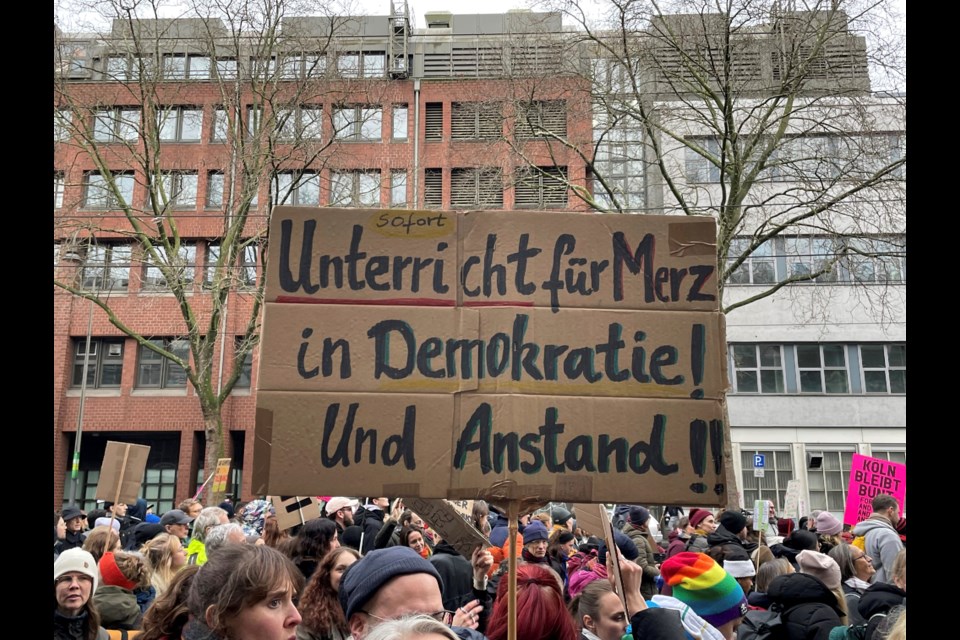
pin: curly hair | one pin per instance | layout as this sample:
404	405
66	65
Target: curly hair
315	539
319	606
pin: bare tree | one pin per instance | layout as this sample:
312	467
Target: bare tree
757	114
126	101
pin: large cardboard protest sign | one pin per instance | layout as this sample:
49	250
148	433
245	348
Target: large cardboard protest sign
494	355
869	477
121	472
294	510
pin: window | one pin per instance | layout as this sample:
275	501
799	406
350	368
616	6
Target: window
355	188
246	367
433	188
806	256
221	126
304	65
104	362
105	267
357	123
244	274
884	368
179	267
180	124
98	190
433	119
542	117
475	121
263	68
876	260
118	69
155	371
57	190
116	125
226	68
758	368
822	368
177	190
399	131
777	472
300	123
369	64
760	267
828	484
159	486
619	160
214	190
179	66
481	188
61	125
541	188
254	120
292	188
398	188
899	456
700	168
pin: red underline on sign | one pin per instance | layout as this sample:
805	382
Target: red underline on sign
406	302
496	303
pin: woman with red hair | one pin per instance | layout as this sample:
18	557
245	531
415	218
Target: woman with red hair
541	611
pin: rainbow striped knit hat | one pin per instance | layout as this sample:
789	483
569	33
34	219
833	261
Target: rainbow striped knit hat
698	581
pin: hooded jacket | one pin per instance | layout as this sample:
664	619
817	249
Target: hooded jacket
809	609
456	575
721	537
881	542
118	607
877	602
370	519
678	542
73	540
67	628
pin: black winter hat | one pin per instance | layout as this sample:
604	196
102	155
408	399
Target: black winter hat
638	515
70	512
627	547
733	521
560	515
365	576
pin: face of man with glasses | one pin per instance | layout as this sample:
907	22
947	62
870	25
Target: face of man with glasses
404	595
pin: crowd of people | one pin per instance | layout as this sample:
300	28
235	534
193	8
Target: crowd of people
377	571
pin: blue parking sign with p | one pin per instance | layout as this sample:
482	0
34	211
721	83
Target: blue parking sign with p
758	460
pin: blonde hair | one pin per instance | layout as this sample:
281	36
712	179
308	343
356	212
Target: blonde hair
898	572
158	552
842	605
899	629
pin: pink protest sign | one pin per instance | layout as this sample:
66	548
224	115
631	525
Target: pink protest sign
868	477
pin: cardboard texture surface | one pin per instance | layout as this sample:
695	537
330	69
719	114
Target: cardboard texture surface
576	449
294	510
613	552
373	255
356	444
448	521
571	357
121	472
588	519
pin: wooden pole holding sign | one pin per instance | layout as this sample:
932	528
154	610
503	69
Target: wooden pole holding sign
513	514
613	555
116	495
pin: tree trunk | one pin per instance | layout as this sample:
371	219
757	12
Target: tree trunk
213	430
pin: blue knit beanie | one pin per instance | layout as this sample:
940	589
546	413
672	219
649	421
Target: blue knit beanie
364	577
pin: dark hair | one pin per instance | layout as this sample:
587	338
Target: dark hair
168	614
407	531
882	502
236	577
541	612
844	559
92	516
405	517
319	605
315	538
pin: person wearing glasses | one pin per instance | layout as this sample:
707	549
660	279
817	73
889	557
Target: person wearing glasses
75	617
391	583
856	571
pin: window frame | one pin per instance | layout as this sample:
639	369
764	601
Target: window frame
823	369
774	473
396	109
245	269
357	190
172	183
59	188
100	362
112	125
302	125
758	368
297	181
541	189
214	176
398	185
887	369
350	121
168	368
110	203
478	182
114	273
179	114
153	279
840	476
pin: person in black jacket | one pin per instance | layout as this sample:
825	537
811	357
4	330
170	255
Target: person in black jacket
73	519
879	602
731	533
370	518
809	610
456	573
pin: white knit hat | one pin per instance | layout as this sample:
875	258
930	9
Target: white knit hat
76	559
739	568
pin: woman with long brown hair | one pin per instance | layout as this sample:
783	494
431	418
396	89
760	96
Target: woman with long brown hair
323	617
165	619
